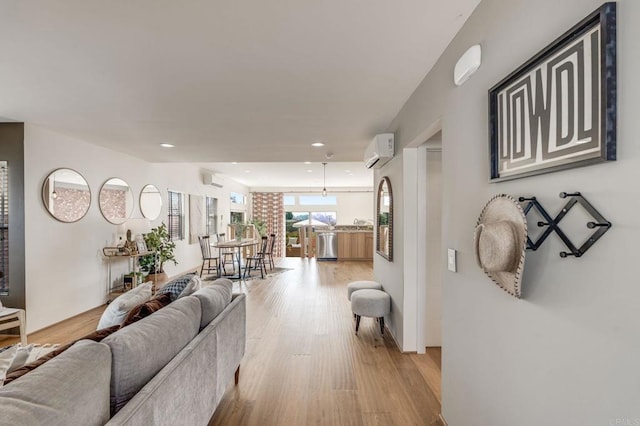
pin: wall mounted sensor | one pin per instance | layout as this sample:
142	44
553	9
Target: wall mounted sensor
467	65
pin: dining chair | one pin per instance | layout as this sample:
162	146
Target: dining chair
226	253
12	318
208	257
257	260
269	253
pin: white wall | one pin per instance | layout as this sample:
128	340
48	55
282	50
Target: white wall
413	265
565	354
65	270
355	205
391	273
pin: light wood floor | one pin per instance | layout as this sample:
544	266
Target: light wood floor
304	364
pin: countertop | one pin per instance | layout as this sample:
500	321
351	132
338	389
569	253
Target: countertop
348	231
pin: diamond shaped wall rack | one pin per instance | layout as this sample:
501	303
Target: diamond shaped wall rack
600	224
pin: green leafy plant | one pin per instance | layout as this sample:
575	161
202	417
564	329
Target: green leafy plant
260	225
158	240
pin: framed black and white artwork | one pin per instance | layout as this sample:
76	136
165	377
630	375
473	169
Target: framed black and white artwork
558	110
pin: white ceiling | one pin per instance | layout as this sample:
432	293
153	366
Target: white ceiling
295	175
246	81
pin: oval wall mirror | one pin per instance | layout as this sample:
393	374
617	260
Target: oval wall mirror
116	201
150	202
66	195
384	220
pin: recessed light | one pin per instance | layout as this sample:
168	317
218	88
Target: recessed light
309	171
307	162
234	162
317	144
247	171
167	145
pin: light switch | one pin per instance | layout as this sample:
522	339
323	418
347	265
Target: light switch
451	260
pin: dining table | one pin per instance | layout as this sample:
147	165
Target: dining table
236	246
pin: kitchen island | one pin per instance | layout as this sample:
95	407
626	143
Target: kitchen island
352	244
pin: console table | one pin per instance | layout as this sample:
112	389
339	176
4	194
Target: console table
132	259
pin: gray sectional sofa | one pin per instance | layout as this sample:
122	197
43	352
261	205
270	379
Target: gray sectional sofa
170	368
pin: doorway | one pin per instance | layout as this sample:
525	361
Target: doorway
431	253
300	230
434	250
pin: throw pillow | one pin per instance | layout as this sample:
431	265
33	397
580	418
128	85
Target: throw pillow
194	285
213	299
147	308
117	310
176	286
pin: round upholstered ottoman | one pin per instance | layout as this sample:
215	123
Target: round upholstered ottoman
370	303
362	285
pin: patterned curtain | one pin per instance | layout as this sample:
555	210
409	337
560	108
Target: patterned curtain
269	208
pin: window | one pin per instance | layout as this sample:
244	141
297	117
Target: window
325	217
4	228
289	200
176	216
237	198
318	200
294	220
237	217
212	216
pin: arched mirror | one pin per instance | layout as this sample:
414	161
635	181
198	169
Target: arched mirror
66	195
150	202
384	220
116	201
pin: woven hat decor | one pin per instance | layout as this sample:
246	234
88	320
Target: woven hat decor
500	241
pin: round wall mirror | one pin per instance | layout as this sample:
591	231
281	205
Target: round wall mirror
66	195
150	202
384	220
116	201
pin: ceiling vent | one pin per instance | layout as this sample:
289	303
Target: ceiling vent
213	180
379	151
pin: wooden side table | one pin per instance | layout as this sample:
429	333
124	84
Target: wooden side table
132	258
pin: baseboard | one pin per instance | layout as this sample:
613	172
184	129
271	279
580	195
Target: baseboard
102	306
393	338
444	422
396	342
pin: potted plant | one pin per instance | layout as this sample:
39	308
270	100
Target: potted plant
159	242
260	225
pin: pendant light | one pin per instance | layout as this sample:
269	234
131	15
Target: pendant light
324	174
54	194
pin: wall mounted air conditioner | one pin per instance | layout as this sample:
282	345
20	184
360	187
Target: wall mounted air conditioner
379	151
213	180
